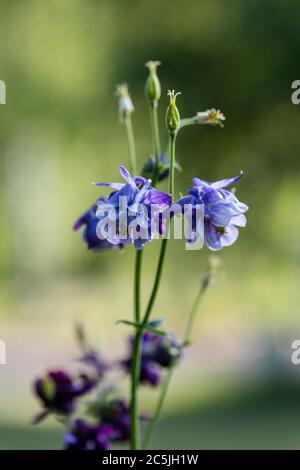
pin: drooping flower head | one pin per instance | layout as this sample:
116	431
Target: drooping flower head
58	391
86	436
131	213
157	352
222	212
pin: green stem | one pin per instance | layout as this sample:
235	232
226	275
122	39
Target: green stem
165	387
156	281
191	318
172	165
136	357
131	145
164	241
155	138
152	426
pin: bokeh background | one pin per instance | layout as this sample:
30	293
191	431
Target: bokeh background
236	387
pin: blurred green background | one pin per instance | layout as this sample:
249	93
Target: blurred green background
236	387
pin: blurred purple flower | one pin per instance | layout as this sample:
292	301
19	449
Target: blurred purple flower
157	351
116	413
84	436
58	391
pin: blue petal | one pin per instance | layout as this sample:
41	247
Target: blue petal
230	235
197	182
211	236
157	197
117	186
178	206
220	214
226	182
239	220
127	177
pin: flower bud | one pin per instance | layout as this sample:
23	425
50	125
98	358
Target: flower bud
125	102
152	87
172	114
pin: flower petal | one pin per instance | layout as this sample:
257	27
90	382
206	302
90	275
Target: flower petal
212	236
117	186
239	220
127	177
230	235
220	214
226	182
154	196
197	182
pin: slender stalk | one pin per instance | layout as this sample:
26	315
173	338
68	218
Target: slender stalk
172	165
165	240
156	281
155	138
191	318
131	144
165	386
136	356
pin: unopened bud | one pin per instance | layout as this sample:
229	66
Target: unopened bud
172	114
152	87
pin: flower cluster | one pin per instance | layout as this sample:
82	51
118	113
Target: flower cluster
106	417
109	422
135	213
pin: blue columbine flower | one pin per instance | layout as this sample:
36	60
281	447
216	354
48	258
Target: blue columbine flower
132	212
58	392
86	436
89	220
222	212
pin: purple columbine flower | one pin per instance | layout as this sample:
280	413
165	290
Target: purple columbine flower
222	212
85	436
90	221
166	350
58	392
116	414
157	351
132	212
